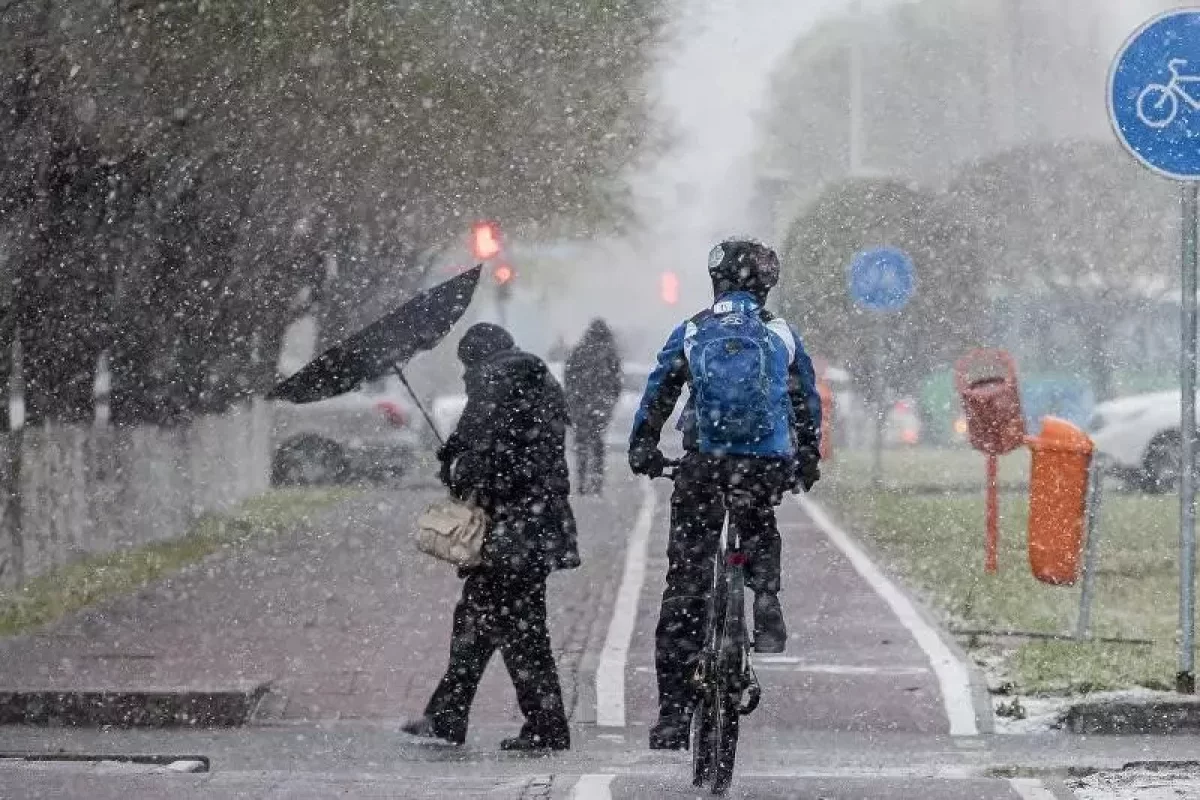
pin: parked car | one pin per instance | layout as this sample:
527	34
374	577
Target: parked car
1138	438
369	432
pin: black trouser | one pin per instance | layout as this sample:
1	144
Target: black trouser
697	516
589	452
506	612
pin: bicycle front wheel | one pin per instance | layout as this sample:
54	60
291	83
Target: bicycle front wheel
725	742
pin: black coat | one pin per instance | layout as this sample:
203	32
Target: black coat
508	451
593	378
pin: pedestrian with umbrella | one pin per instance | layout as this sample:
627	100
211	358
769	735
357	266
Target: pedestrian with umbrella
507	455
592	378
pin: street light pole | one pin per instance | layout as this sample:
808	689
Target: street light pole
856	137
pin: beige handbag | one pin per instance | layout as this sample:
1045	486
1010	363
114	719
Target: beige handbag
453	530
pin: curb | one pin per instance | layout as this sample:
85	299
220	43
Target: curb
136	708
1117	717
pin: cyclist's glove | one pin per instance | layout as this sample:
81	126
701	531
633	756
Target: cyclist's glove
648	461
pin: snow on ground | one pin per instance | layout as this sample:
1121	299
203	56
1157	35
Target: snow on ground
1041	714
1180	784
1045	714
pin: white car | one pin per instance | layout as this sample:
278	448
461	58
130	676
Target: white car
369	432
1138	437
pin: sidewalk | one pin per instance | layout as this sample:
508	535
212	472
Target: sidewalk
340	619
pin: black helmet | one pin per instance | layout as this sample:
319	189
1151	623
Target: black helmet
745	265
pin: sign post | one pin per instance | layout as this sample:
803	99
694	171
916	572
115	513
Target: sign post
1154	106
882	281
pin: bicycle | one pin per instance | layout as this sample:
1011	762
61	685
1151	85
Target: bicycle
726	685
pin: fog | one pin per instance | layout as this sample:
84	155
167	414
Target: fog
716	173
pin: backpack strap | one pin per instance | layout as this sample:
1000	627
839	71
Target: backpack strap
689	331
779	326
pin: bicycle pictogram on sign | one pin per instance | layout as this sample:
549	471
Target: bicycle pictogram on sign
1158	103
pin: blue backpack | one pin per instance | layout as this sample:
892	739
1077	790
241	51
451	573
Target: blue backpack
739	381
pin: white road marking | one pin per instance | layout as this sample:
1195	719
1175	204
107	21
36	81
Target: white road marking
593	787
795	664
1030	789
610	673
952	674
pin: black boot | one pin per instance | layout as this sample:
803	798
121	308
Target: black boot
526	742
770	632
423	728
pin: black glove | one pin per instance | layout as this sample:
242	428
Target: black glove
808	470
648	461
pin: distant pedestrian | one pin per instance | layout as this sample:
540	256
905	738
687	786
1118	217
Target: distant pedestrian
593	384
508	452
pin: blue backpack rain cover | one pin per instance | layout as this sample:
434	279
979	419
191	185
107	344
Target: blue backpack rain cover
739	377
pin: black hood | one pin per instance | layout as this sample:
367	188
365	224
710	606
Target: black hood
482	341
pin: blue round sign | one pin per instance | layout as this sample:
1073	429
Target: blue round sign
882	279
1154	94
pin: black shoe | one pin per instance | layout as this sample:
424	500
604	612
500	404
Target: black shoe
423	728
670	733
770	632
535	743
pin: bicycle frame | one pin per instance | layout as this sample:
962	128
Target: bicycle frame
728	643
1178	83
725	684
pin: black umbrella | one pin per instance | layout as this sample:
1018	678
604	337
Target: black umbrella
384	345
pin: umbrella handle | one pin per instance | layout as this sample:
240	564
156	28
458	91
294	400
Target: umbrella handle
428	419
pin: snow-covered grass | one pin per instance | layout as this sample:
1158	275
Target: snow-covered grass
94	579
935	543
922	468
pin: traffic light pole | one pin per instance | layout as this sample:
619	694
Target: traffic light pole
503	295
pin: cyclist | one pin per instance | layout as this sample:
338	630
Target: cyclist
752	421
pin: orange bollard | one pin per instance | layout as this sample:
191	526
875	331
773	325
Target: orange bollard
1062	455
826	393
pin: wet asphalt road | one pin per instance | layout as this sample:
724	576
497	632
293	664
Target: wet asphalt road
351	627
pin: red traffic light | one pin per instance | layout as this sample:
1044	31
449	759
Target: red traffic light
503	274
668	288
485	240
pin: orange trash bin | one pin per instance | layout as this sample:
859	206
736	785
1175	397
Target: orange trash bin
1062	456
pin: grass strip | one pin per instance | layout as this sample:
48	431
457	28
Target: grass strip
934	542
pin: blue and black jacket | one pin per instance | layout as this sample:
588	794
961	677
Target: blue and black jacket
672	373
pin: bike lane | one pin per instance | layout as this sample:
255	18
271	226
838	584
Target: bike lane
850	665
854	675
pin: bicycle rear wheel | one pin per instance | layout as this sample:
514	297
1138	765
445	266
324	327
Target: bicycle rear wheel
725	741
702	740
